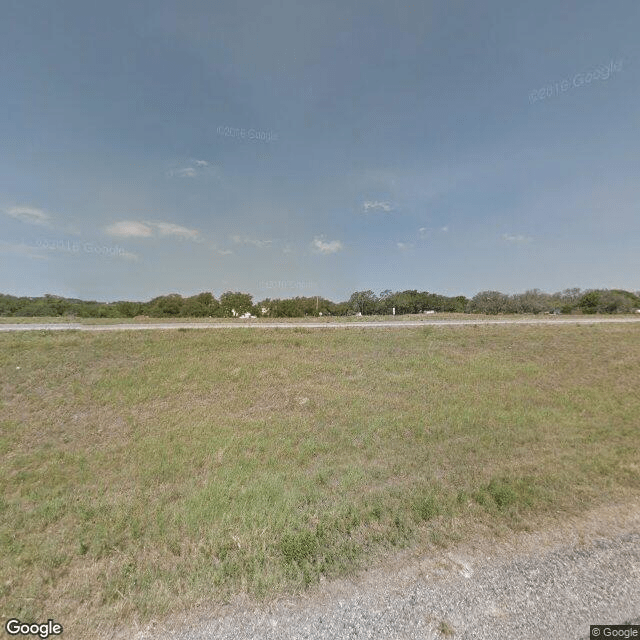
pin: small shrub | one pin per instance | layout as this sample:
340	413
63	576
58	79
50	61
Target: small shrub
446	629
427	508
299	547
503	494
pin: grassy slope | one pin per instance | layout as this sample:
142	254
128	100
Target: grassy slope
142	474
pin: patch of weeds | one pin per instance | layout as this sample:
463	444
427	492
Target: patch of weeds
446	629
299	547
505	493
174	547
427	508
438	538
376	513
225	549
348	520
302	553
400	531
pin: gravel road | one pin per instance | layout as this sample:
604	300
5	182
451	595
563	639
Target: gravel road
547	585
387	324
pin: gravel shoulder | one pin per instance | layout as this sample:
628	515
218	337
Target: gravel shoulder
550	583
370	324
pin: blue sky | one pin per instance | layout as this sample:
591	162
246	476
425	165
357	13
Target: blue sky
317	148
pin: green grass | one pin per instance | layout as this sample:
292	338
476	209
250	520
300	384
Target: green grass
146	473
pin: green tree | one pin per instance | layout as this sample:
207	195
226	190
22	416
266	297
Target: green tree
589	302
363	302
491	302
532	301
241	303
286	309
126	309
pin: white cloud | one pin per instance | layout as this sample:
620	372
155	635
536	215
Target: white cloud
168	229
376	205
186	172
30	215
193	169
320	246
517	239
425	232
403	246
129	229
147	229
255	243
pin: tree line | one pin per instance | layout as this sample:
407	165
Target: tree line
232	304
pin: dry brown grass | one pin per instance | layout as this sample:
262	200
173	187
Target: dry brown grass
143	473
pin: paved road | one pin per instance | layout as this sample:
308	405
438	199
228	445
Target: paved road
547	585
384	324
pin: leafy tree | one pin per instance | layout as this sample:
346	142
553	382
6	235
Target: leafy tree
57	304
384	304
617	301
532	301
457	304
363	302
589	302
9	305
240	302
126	309
286	308
200	306
164	306
106	311
491	302
406	302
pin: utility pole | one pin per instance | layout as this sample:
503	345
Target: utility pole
316	304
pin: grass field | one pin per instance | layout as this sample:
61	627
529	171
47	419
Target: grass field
143	473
